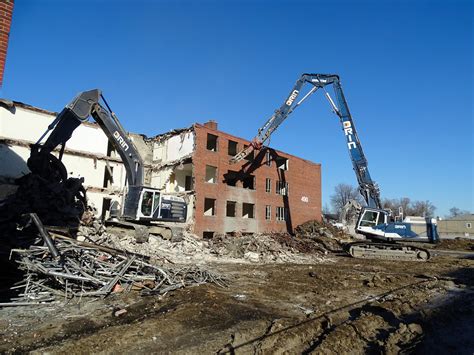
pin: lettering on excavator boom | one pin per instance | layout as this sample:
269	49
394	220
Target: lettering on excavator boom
121	141
348	132
292	97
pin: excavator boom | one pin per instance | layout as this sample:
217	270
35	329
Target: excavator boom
373	221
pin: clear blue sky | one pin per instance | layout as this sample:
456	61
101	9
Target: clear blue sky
406	67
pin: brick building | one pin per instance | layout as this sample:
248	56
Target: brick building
6	10
270	191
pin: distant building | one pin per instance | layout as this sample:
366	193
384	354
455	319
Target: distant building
268	191
459	226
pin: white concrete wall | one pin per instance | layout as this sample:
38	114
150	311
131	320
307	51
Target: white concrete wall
28	125
173	148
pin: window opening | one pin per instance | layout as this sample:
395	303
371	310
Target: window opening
211	142
268	185
281	214
282	163
282	188
208	235
268	212
232	148
248	210
209	207
188	183
211	174
231	209
268	158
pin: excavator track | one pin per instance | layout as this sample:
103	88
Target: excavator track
387	251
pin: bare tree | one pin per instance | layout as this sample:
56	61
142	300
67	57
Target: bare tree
454	211
342	194
410	208
395	204
423	208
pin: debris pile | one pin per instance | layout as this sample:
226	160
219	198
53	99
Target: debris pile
83	269
326	235
265	248
187	250
259	248
313	227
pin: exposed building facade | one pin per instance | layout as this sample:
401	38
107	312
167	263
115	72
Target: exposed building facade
268	191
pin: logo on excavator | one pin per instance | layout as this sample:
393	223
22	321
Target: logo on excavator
292	97
349	133
120	140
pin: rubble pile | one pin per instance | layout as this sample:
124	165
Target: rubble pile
83	269
222	248
187	250
313	227
326	235
265	248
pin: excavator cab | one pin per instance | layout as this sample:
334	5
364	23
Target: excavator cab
375	223
371	217
153	205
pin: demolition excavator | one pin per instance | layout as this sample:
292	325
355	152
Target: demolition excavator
385	238
141	203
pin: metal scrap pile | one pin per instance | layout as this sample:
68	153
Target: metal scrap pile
82	270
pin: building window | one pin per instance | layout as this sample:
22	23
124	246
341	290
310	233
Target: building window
211	174
231	209
248	210
248	182
282	163
281	188
468	225
268	158
209	207
208	235
108	176
268	212
232	148
268	185
188	183
281	213
211	142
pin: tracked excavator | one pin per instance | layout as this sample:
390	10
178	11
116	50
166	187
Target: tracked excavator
385	238
141	204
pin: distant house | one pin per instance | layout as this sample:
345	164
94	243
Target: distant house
459	226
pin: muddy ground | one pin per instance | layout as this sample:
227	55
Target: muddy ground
341	305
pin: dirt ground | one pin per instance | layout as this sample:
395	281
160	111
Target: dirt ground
341	305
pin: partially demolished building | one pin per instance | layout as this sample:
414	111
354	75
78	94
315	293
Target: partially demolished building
268	191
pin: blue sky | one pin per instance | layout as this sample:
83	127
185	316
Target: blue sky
406	68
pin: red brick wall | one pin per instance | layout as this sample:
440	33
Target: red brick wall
303	177
6	10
